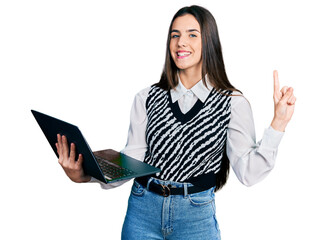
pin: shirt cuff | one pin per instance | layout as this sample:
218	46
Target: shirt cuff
108	185
94	180
271	138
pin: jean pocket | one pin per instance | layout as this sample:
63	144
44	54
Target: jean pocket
202	198
138	189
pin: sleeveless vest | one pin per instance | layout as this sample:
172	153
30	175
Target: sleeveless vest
186	146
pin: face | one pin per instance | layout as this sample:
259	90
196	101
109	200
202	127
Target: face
186	44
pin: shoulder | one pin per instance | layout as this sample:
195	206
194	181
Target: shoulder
143	94
238	100
149	92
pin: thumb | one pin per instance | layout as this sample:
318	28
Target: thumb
288	95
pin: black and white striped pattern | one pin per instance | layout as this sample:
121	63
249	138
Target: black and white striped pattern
186	146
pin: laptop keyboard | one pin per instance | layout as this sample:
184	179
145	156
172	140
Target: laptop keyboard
113	171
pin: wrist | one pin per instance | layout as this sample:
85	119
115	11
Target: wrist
86	179
278	125
83	179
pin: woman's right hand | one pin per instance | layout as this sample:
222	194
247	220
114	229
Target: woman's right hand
284	101
72	168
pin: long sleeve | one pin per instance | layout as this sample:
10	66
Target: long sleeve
251	161
136	145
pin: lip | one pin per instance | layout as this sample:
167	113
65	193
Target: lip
183	51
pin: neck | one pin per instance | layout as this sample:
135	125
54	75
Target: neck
190	77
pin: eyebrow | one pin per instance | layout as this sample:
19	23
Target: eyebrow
189	30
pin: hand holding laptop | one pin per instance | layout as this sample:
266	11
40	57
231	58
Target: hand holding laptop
72	168
80	163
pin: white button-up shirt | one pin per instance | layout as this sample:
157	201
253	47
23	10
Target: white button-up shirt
251	161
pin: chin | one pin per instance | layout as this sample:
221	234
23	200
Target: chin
182	66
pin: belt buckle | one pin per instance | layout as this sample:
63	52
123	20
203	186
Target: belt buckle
165	190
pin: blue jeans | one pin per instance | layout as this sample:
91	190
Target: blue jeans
152	217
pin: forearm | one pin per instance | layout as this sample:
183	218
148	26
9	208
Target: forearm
252	161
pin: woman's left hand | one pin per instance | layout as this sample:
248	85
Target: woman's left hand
284	101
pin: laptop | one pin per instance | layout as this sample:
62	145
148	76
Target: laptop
107	165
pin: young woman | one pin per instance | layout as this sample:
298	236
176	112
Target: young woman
192	125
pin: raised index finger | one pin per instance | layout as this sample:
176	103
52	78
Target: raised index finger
276	82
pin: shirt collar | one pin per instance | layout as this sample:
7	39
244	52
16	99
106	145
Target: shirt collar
199	90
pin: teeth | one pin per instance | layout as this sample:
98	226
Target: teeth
183	53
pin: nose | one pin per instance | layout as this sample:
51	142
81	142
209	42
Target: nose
182	41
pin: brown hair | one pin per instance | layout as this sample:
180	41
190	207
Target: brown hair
212	65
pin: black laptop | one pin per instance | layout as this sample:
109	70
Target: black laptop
106	165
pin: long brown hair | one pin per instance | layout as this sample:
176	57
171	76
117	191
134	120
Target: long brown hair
212	58
212	65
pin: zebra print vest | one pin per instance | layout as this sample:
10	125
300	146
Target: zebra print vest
185	146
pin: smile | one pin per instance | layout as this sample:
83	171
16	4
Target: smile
183	54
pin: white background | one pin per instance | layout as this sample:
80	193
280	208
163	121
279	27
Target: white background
83	62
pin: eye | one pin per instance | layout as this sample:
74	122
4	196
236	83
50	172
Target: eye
192	35
174	36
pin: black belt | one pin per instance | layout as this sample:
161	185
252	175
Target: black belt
164	190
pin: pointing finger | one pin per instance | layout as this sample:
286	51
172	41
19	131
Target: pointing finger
276	82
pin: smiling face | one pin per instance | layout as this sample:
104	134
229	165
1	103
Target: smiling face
186	44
